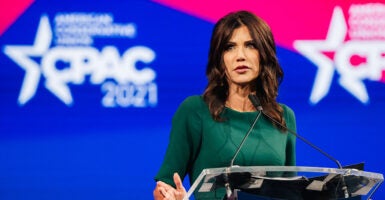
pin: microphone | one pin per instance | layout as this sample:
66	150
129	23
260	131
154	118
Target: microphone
229	193
244	138
257	104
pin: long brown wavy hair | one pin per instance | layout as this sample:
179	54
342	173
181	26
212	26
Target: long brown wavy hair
270	76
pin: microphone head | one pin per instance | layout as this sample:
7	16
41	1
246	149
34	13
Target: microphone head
255	101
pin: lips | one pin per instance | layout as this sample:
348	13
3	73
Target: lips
241	69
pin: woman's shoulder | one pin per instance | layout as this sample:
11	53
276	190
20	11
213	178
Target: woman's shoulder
192	109
289	116
287	110
193	102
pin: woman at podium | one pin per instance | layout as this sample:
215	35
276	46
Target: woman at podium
208	129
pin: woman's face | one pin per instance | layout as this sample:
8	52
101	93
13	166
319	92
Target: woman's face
241	58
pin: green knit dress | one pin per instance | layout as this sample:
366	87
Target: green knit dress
197	142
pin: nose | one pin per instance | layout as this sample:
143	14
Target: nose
241	54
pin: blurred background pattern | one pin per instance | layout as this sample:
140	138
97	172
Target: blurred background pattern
88	88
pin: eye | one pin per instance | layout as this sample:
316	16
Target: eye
229	47
251	45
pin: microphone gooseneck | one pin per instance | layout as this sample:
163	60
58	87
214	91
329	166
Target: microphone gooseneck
244	138
229	193
257	104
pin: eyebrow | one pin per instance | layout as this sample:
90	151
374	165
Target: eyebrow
248	41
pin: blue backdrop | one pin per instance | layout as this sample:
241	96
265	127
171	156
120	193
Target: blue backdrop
88	90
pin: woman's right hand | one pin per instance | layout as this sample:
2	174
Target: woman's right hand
164	191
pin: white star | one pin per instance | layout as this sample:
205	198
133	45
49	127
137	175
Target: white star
313	49
21	54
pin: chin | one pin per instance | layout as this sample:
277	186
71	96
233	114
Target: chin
243	82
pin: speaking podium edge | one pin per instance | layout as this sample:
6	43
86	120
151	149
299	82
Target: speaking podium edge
377	177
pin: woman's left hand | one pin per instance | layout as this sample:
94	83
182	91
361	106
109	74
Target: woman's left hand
168	192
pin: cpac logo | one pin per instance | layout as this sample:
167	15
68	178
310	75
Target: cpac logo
369	47
134	87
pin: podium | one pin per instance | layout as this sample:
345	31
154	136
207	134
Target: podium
285	182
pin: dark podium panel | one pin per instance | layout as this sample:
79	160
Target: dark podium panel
287	182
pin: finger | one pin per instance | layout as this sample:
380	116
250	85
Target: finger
163	184
163	191
157	194
166	191
178	182
167	194
180	191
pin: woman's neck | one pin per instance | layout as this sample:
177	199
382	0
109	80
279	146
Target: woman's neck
238	100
